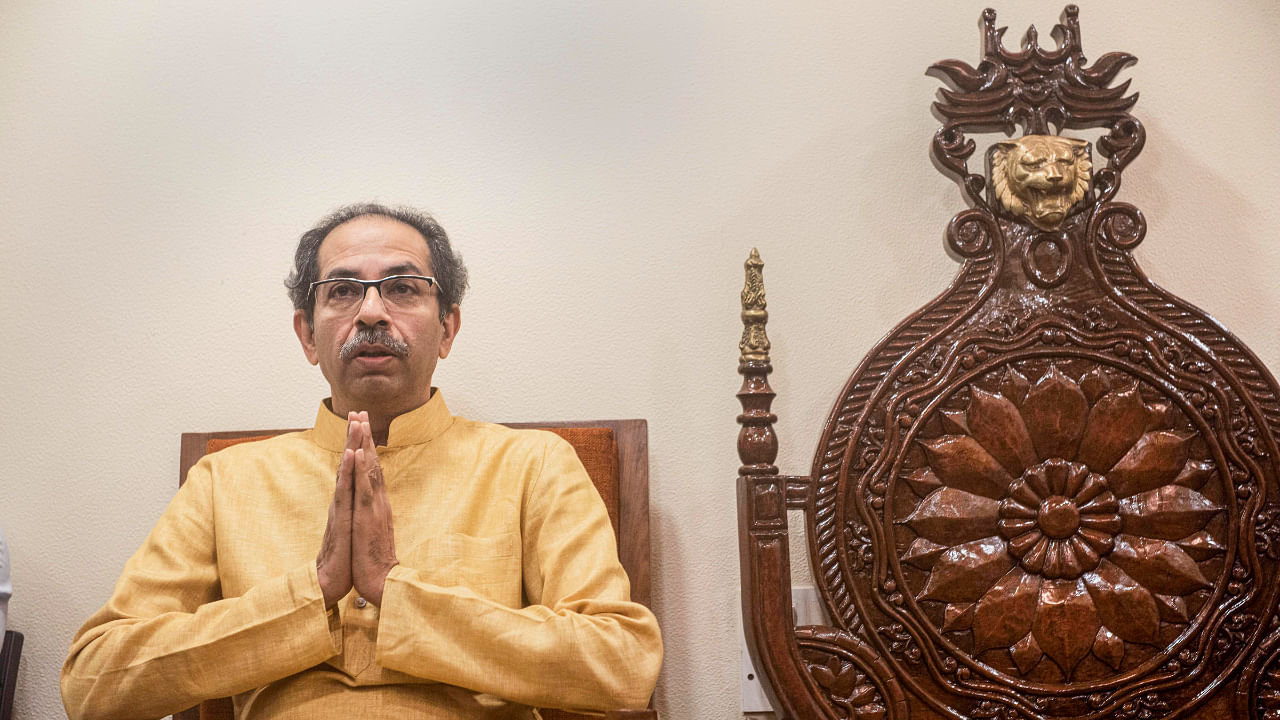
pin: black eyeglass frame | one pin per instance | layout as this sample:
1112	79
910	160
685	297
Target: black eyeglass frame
366	284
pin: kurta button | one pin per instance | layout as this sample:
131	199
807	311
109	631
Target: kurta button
361	602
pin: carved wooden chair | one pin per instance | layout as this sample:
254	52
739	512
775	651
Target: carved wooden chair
615	454
10	654
1050	493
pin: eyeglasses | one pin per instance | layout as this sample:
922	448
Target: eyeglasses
402	292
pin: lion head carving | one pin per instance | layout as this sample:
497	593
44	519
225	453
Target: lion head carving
1040	177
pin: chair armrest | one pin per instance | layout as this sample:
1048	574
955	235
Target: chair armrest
10	652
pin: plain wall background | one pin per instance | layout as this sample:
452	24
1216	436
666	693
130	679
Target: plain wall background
604	168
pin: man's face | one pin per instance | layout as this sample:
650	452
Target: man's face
376	377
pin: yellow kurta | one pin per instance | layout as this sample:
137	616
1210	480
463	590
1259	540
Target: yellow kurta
508	594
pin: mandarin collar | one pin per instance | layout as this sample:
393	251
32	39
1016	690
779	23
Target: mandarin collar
420	425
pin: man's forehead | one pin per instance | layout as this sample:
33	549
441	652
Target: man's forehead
373	245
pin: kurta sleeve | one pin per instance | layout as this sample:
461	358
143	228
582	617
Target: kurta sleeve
580	643
166	640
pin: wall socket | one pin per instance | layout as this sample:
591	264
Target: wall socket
806	604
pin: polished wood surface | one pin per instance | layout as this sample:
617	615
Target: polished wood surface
10	656
1050	493
625	491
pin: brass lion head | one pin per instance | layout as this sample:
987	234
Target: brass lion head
1040	177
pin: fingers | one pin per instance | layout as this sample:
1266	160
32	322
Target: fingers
363	490
345	464
371	455
353	430
357	427
341	507
344	487
368	472
333	563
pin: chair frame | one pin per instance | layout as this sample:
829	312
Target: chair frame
10	655
946	595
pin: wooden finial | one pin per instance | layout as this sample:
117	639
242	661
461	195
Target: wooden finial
757	444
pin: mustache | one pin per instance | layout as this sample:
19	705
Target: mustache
378	336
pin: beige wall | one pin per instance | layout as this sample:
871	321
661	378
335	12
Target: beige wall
604	168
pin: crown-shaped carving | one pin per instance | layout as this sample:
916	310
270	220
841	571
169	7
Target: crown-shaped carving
1038	89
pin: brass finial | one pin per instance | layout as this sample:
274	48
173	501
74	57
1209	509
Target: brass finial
755	344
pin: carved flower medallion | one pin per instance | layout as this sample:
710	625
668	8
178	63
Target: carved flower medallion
1070	519
1059	519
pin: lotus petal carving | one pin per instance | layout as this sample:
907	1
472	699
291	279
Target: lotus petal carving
1060	518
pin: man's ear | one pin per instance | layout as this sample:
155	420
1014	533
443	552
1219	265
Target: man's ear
306	335
452	323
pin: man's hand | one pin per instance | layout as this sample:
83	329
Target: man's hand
373	545
333	564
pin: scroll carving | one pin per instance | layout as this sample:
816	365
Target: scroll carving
854	681
1037	89
1050	493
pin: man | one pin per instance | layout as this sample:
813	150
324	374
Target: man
461	569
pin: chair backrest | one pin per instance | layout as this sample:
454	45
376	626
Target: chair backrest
10	654
1052	491
615	454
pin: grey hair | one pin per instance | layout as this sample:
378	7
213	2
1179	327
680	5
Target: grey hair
446	264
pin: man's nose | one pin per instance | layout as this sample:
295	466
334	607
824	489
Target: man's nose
372	309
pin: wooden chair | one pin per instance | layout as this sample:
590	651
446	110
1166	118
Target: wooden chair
615	454
10	654
1050	493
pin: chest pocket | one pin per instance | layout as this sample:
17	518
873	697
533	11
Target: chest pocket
489	566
